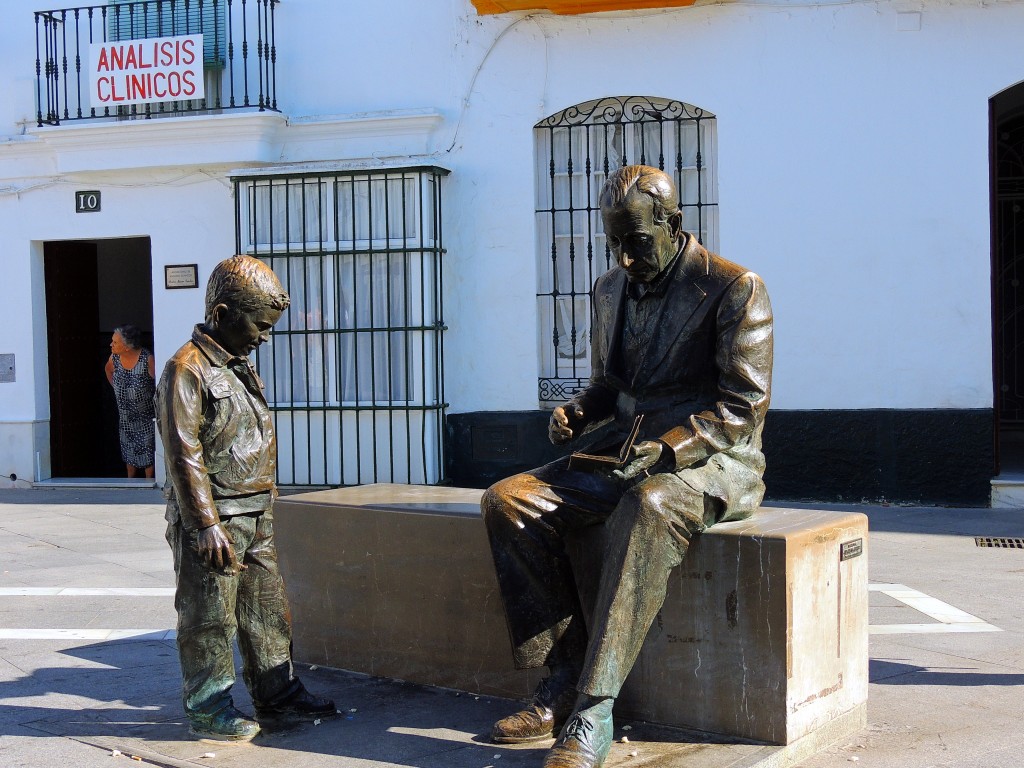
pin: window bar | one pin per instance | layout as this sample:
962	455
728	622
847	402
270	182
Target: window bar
64	58
252	220
661	142
259	49
201	28
92	109
572	258
355	338
388	331
638	127
336	319
145	33
131	32
407	320
103	19
48	22
554	255
624	137
39	77
373	322
303	338
439	327
185	105
217	31
78	62
54	72
679	165
700	191
421	182
245	54
273	56
607	170
321	330
231	57
590	222
429	286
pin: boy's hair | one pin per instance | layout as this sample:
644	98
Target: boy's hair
244	284
652	182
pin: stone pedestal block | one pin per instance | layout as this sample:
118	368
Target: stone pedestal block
763	634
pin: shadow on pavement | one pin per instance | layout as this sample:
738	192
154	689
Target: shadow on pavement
883	672
124	696
940	521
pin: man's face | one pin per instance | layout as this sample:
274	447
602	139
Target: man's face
242	332
641	247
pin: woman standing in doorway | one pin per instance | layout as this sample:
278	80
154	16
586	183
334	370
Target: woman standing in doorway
130	372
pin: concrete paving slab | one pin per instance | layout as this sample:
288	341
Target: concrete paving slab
937	700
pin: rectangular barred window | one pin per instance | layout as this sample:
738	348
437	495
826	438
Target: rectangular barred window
353	371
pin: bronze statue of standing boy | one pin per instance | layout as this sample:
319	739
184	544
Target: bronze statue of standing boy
221	456
683	338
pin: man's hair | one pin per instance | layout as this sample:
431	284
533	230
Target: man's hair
130	334
244	284
652	182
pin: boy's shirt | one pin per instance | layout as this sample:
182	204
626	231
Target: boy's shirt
218	435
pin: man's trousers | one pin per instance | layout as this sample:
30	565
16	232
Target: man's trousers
648	527
213	605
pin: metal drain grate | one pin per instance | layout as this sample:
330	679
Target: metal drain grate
989	541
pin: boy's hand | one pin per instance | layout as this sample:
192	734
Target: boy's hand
216	550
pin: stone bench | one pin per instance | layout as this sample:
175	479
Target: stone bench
763	634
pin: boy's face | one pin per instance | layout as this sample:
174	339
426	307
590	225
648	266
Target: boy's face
240	333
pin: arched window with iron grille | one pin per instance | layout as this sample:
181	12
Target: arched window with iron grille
575	150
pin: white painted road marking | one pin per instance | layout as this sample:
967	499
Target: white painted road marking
86	592
949	619
87	634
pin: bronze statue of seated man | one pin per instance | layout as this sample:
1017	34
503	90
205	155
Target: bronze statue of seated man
683	338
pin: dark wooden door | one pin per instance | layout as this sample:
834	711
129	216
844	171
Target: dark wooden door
76	364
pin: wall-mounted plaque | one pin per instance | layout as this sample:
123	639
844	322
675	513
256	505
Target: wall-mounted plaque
87	201
181	276
7	367
851	549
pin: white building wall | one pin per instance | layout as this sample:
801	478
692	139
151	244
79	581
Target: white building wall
853	175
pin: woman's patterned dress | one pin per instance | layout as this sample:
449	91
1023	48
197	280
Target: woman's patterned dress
133	389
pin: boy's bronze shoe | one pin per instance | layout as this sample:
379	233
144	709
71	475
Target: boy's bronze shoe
226	724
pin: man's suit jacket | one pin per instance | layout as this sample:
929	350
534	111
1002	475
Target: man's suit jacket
703	382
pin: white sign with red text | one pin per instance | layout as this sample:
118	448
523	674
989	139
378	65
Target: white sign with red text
142	71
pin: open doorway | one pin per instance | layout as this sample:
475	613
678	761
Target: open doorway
92	286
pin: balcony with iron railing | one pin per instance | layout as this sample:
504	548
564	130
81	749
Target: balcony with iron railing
140	59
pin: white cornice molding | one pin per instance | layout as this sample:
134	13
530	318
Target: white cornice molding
165	141
361	136
234	139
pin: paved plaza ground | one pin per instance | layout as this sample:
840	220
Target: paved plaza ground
89	670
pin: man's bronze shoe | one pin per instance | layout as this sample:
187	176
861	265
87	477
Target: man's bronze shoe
552	703
585	740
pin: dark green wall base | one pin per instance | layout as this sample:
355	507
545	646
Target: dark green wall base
927	456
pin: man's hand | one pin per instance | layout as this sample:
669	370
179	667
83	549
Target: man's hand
216	551
565	421
643	458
